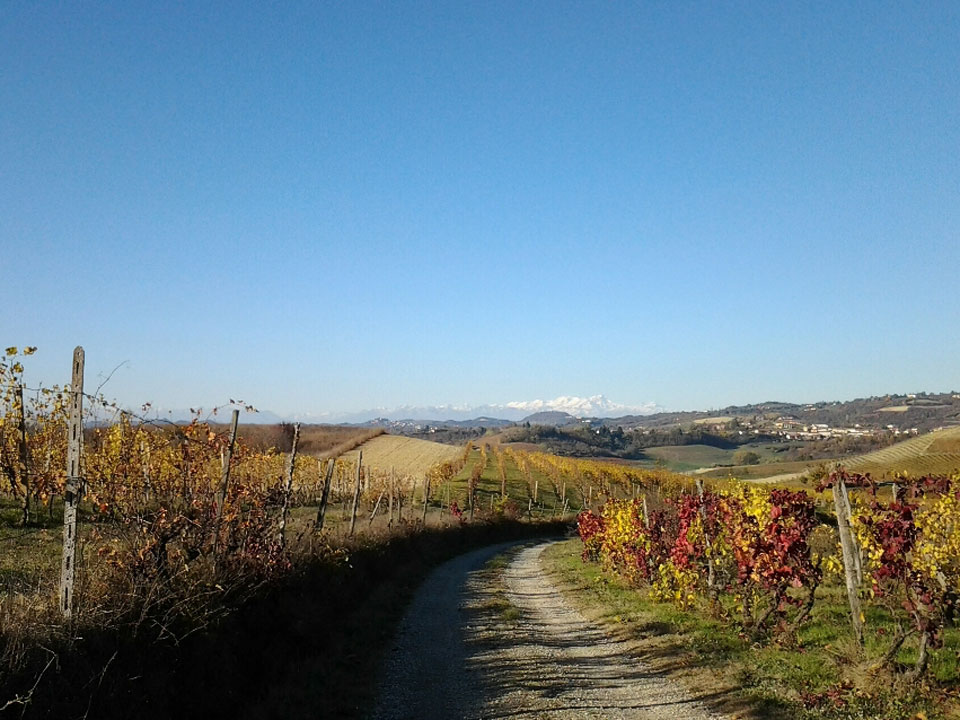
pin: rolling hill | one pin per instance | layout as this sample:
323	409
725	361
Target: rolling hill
933	453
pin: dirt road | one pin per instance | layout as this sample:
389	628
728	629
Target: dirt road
481	643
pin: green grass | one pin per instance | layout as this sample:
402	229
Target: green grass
497	600
764	470
685	458
770	678
29	556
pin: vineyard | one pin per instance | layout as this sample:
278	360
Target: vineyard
930	454
116	528
785	566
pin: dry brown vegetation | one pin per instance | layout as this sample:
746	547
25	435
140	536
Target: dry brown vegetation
317	440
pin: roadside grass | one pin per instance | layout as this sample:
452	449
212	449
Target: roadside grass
496	600
309	644
706	649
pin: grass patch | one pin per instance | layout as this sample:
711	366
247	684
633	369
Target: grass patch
497	601
706	649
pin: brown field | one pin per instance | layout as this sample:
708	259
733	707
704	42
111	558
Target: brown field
719	420
948	442
318	440
408	456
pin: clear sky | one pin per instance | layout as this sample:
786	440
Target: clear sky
339	205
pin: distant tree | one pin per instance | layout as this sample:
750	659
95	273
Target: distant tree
745	457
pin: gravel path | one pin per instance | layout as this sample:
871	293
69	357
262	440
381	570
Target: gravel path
475	644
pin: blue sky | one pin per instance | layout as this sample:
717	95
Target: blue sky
337	206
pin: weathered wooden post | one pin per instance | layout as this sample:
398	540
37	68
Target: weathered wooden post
24	460
74	487
356	493
426	499
145	468
393	489
376	507
325	495
850	557
711	577
288	484
646	512
857	559
221	498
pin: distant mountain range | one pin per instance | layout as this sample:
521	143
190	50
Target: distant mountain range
922	410
596	406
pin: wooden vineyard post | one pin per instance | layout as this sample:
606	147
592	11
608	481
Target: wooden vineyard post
288	484
74	487
426	499
646	512
221	498
849	554
145	454
711	577
225	465
24	464
376	507
393	489
325	495
356	493
857	563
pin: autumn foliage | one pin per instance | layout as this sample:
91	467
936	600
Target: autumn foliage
749	551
